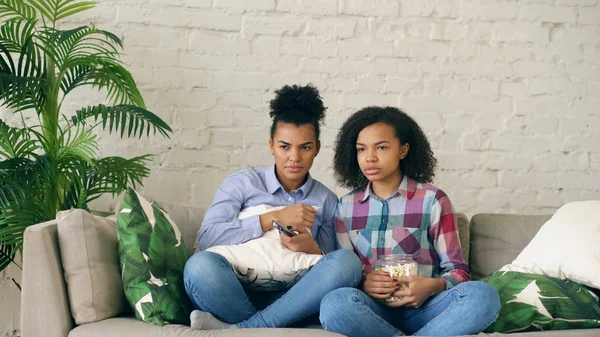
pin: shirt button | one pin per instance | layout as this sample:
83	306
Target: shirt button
380	239
384	220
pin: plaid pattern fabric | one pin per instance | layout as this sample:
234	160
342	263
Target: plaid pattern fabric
418	219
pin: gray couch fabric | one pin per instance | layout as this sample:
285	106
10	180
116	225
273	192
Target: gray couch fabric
489	241
497	239
132	327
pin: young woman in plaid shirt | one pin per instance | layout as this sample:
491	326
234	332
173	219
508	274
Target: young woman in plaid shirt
383	155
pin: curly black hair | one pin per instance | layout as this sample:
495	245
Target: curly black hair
419	164
297	105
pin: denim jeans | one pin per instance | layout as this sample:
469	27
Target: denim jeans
465	309
213	287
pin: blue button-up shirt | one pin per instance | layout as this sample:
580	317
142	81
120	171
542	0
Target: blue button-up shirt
259	186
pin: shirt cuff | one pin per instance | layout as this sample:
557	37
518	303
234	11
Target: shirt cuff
251	225
449	281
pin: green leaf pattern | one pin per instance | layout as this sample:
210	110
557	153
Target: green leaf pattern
531	302
152	256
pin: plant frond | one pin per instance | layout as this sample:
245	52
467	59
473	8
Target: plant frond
67	45
115	174
21	93
129	119
79	143
23	179
18	9
15	142
14	33
13	221
55	10
7	255
74	77
119	83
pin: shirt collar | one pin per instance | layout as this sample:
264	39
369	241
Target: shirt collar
273	183
407	188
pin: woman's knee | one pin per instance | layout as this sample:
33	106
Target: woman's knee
203	266
345	264
333	303
483	297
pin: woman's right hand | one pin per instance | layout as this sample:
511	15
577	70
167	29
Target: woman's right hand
379	285
296	215
293	215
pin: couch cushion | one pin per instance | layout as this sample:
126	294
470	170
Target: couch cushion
187	218
264	264
90	260
152	257
497	239
567	246
131	327
537	302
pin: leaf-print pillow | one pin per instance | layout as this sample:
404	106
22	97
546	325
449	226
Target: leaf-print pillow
531	302
152	257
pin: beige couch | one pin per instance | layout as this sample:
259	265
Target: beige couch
489	242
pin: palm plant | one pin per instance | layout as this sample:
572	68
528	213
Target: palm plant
54	164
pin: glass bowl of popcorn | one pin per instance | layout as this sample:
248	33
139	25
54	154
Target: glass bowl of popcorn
397	265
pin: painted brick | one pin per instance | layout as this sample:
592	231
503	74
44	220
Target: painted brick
386	8
318	8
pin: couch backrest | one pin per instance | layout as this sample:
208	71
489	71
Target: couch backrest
463	234
188	220
497	239
488	241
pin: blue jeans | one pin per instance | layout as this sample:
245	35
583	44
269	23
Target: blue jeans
465	309
213	287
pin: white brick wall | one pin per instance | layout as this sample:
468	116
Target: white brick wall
507	91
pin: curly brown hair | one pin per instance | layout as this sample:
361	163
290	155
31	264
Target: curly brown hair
419	164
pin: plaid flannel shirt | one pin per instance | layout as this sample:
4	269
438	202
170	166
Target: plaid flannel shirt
418	219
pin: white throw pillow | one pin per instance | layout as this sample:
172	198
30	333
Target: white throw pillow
567	246
264	264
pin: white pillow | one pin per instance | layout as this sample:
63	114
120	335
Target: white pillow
567	246
264	264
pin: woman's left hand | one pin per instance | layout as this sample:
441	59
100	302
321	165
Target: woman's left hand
302	242
418	291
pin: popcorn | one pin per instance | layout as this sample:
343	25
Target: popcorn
400	270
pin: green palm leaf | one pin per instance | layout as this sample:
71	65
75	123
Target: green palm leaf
7	255
14	221
102	74
22	85
120	86
66	46
79	143
15	32
20	93
124	117
74	77
16	8
55	10
15	142
114	175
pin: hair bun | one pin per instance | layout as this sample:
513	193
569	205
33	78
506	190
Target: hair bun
302	103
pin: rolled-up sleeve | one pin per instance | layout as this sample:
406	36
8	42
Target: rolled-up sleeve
220	225
444	231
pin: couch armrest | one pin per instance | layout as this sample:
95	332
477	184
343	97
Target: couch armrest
44	304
